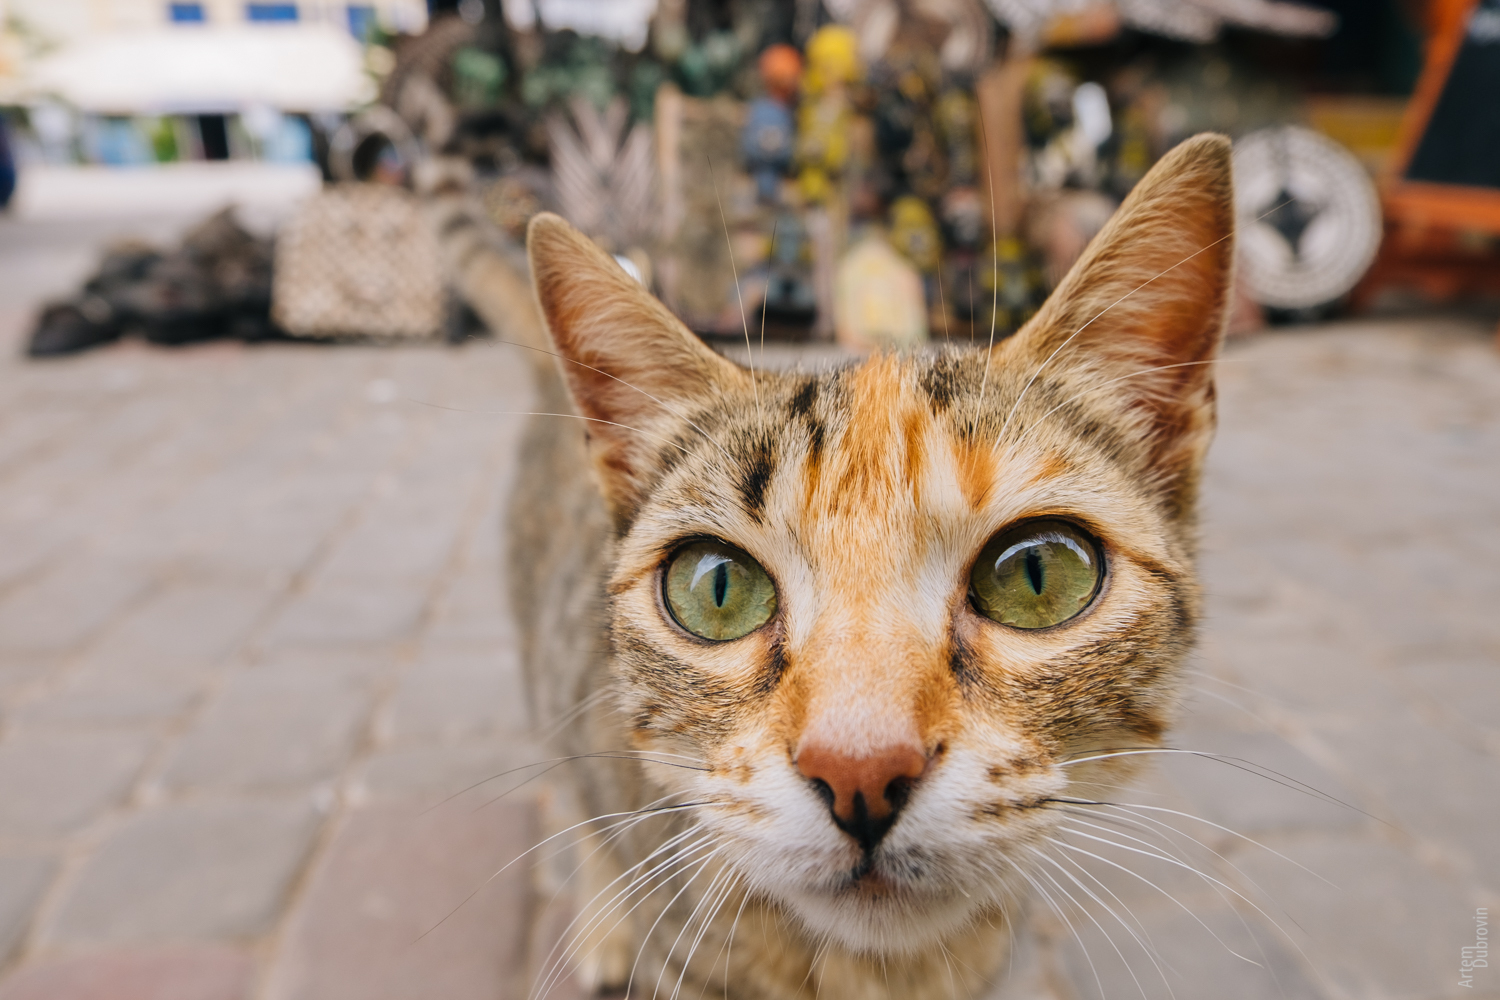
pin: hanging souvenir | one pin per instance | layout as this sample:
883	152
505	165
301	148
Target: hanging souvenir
766	144
769	133
823	120
790	300
914	233
1012	285
957	116
878	298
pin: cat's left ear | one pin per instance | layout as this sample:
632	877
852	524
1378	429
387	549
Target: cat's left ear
1143	310
633	370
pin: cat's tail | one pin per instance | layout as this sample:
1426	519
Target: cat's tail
487	270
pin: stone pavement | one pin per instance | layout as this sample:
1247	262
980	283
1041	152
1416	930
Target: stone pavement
252	636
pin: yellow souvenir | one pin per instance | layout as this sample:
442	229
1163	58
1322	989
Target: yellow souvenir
878	299
914	232
824	119
832	59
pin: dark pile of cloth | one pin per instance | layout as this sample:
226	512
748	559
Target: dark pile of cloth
216	283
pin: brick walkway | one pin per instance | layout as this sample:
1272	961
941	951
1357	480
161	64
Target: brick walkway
251	631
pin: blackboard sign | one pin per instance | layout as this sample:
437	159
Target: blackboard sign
1461	142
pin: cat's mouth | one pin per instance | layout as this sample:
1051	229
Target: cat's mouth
866	880
878	907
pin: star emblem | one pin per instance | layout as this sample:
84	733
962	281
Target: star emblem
1290	218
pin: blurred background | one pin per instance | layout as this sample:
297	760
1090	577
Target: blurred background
260	268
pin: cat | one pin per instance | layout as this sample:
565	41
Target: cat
829	654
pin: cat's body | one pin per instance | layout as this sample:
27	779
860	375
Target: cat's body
854	782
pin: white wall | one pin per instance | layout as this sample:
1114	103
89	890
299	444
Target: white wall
61	20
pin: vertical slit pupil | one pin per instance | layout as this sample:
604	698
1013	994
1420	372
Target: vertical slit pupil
721	583
1034	573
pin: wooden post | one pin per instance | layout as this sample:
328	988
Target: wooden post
1000	91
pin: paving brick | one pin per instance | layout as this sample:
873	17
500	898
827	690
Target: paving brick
405	907
53	783
1170	953
351	612
455	692
188	625
68	605
474	608
1463	686
407	534
440	771
189	871
181	973
19	670
350	661
269	523
23	879
272	729
89	699
1433	801
1388	927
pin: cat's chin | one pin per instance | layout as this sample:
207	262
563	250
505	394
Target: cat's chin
870	916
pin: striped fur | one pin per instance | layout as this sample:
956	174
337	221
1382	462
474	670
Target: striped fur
866	493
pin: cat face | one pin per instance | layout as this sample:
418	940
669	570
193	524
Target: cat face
894	608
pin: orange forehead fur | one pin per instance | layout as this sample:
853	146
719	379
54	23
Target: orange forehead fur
863	472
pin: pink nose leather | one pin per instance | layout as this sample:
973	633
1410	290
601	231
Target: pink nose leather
868	776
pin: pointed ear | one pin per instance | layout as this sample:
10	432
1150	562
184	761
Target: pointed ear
633	370
1152	291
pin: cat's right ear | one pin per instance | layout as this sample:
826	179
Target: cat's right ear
1143	310
631	366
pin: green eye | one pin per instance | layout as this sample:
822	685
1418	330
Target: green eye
1036	574
716	591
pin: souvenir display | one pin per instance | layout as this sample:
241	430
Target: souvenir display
772	137
728	151
707	201
1012	287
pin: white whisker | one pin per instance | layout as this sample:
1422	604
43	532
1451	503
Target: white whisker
1150	952
1203	875
1238	763
989	170
1184	907
646	939
1067	923
682	858
1224	829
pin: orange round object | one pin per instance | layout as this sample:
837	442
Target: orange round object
780	70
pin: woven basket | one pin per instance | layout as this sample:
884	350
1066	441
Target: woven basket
361	260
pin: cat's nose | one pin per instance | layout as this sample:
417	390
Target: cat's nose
864	791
